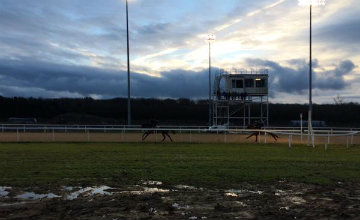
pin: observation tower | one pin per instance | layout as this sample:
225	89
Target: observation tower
240	97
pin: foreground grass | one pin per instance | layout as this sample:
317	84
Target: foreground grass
29	164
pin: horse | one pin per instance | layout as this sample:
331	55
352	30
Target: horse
154	124
258	125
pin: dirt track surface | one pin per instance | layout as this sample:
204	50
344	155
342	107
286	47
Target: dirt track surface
280	200
197	137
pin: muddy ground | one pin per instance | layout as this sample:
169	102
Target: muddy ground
154	200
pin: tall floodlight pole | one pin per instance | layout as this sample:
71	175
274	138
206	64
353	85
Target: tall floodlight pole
128	66
210	39
310	3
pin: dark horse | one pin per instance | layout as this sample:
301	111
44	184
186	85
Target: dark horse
153	124
258	125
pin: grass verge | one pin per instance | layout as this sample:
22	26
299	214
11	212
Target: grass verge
220	165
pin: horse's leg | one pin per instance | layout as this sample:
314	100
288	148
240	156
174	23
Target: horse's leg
142	138
167	134
162	133
274	136
145	135
250	135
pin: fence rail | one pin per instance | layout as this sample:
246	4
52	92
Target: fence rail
121	133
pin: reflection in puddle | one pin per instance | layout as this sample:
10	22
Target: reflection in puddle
147	190
89	191
34	196
236	192
3	191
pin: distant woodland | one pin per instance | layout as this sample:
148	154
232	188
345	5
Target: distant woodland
167	111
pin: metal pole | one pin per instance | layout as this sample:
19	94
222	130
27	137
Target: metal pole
267	111
301	127
128	64
209	83
310	81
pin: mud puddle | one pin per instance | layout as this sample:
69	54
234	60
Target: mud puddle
153	200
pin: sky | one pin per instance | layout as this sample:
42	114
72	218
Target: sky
77	48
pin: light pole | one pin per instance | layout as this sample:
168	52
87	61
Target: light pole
211	37
310	3
128	66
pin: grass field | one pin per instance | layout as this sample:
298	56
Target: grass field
220	165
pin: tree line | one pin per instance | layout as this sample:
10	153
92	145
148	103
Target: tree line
167	111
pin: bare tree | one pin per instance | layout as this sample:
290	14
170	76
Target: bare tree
339	100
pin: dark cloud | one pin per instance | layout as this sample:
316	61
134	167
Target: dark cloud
296	79
346	32
28	78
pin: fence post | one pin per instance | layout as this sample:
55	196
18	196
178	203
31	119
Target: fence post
88	136
328	142
17	135
313	138
347	141
259	140
225	139
352	139
290	137
122	135
265	138
53	135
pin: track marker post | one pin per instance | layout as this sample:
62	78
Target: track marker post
290	137
265	137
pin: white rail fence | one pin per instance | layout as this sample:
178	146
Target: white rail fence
195	134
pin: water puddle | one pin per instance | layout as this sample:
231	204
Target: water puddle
89	191
34	196
4	191
237	192
296	200
187	187
151	182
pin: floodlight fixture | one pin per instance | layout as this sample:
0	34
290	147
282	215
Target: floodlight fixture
312	2
211	37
